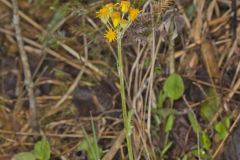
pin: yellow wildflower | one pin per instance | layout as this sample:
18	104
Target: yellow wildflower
125	5
133	13
110	35
109	6
103	13
115	18
124	23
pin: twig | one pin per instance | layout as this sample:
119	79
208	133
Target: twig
5	132
26	68
54	135
115	147
233	90
234	23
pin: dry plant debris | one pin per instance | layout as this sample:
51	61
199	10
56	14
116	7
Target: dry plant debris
70	79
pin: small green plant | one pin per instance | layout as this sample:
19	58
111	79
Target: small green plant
207	112
173	89
90	145
41	151
205	141
222	127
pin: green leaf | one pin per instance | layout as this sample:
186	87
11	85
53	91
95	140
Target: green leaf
42	150
169	124
209	108
222	127
221	130
185	157
157	119
174	86
194	123
166	148
205	141
24	156
226	121
161	99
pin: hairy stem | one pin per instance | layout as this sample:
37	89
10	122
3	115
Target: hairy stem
123	97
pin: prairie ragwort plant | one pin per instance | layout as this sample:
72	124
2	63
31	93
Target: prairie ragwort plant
118	17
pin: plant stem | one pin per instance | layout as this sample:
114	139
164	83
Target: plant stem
123	97
171	49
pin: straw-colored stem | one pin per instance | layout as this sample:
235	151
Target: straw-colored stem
171	50
123	97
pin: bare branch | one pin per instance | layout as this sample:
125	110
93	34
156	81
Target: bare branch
26	68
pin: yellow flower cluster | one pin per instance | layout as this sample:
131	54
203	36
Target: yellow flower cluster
117	17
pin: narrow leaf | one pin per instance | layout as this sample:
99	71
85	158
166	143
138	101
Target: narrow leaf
169	124
161	99
194	123
209	108
205	141
24	156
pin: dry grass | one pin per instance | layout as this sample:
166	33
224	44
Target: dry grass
74	73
